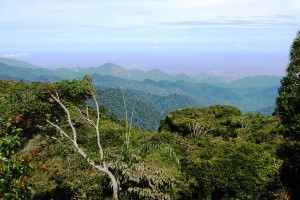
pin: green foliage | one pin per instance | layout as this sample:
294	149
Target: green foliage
75	91
14	168
67	176
233	169
140	175
199	122
22	108
144	115
29	101
288	101
235	158
199	153
288	108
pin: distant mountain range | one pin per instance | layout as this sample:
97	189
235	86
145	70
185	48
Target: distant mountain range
15	68
155	93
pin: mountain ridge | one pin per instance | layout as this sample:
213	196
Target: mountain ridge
17	63
114	70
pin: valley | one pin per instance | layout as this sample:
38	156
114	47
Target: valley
155	93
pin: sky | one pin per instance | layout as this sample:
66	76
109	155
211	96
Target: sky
217	37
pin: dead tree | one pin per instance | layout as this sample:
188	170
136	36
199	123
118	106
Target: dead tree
102	166
199	129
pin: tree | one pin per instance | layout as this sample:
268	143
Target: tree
71	91
232	169
288	101
41	109
20	111
288	108
15	166
199	128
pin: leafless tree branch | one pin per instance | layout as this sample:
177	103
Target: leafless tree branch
102	166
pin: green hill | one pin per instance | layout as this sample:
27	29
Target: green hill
144	115
255	82
148	108
17	63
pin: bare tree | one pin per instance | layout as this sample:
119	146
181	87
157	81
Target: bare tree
102	166
199	128
128	125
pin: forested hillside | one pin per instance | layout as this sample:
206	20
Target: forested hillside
165	96
143	115
216	152
146	109
247	99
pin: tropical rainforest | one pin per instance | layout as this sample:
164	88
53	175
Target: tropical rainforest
58	141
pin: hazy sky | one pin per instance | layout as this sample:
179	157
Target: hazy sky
192	36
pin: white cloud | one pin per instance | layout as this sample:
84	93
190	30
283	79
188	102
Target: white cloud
14	55
199	3
127	12
36	24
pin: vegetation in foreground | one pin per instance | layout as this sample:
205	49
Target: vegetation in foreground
199	153
215	152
